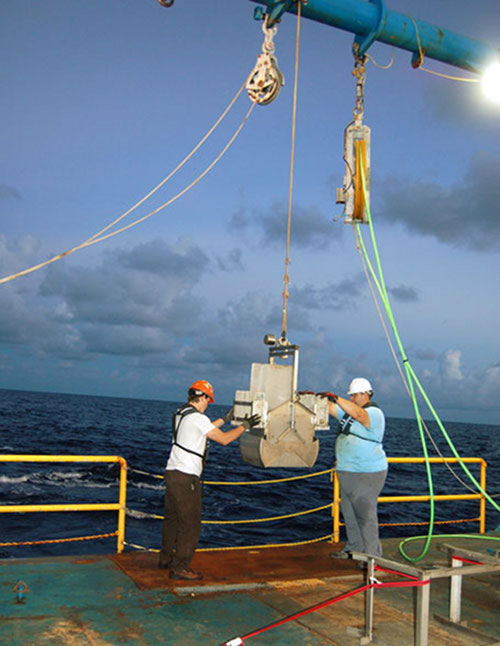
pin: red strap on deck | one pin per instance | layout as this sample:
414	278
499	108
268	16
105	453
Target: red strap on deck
341	597
460	558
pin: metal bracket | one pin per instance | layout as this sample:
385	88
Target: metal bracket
362	43
273	15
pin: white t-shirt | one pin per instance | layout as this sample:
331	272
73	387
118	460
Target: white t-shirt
192	434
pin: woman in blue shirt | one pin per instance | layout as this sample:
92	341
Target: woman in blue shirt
361	465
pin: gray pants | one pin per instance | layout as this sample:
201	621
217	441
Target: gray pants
359	493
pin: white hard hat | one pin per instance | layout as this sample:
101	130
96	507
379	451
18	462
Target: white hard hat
359	385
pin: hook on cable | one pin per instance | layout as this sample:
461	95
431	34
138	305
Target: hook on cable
266	79
166	3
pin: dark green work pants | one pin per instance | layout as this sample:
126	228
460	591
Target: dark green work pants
182	522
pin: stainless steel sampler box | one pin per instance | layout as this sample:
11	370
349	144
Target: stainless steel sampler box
286	436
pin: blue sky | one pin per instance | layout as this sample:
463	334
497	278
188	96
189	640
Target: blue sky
101	100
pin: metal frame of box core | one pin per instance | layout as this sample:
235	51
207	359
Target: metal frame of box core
286	436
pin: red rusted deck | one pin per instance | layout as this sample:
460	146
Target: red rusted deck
237	567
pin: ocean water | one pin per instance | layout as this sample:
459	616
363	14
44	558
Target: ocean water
139	431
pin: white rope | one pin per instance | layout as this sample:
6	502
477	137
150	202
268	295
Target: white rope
98	237
176	169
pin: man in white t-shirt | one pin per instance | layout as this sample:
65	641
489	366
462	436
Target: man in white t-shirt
182	518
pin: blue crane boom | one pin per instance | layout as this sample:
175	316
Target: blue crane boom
371	21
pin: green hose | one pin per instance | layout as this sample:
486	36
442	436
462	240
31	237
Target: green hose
474	536
412	381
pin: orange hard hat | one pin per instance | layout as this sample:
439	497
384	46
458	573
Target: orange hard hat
205	387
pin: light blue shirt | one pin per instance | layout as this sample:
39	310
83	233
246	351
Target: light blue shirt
361	455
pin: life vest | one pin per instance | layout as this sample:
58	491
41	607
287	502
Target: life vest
177	419
345	423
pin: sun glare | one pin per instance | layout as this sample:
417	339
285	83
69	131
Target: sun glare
490	82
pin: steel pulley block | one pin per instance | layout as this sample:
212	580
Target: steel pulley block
265	81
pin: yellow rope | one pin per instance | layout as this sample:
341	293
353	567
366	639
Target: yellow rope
260	547
424	69
239	547
266	520
242	482
141	547
302	513
61	540
447	76
145	473
258	482
286	279
436	522
252	520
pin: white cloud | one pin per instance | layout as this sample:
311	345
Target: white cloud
491	383
451	365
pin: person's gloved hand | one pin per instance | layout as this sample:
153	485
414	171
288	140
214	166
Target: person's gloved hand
229	415
250	422
332	397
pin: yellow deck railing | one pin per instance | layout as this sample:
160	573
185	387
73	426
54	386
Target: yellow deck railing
119	506
334	505
471	496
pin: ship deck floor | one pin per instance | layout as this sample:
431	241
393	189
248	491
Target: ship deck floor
126	599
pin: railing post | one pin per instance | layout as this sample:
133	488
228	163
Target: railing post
122	502
455	592
422	614
369	601
336	508
482	504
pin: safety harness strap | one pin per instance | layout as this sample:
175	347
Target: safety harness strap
345	423
177	418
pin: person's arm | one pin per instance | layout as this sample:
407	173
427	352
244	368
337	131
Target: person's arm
349	407
226	437
354	411
332	407
224	420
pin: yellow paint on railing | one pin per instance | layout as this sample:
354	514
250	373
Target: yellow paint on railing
423	498
119	506
335	505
